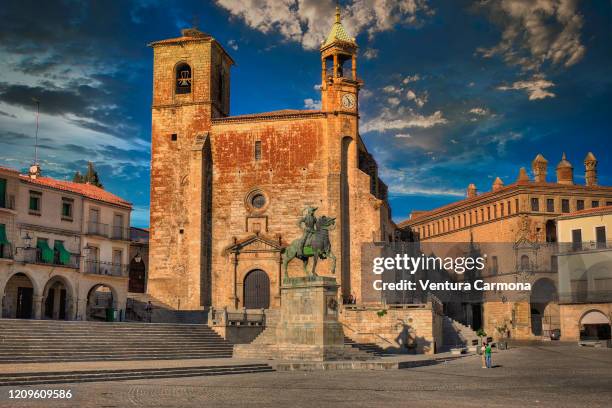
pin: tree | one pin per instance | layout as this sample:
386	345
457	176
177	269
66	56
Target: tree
91	177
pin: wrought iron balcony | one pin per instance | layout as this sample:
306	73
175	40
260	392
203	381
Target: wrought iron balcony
6	251
96	267
96	228
119	232
587	246
586	296
34	256
8	203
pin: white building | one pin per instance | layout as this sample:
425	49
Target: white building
585	274
64	249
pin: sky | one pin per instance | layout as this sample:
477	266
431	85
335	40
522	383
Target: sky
455	92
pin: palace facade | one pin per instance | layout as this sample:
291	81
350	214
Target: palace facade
522	215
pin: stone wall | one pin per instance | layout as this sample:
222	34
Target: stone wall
410	328
572	314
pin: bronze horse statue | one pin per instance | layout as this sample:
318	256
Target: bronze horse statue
317	247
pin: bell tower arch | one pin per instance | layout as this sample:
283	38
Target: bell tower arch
339	82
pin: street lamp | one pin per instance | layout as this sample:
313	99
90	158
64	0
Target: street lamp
27	240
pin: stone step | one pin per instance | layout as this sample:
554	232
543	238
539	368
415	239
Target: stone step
23	379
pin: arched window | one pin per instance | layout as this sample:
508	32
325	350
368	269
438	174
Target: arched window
183	79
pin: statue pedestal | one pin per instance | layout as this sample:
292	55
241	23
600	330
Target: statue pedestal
308	326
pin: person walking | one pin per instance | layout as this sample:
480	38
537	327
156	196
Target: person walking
483	348
488	355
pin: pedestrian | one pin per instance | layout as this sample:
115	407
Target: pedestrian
483	349
488	355
149	310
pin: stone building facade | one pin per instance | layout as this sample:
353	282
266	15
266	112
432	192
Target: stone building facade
522	215
585	274
64	248
227	192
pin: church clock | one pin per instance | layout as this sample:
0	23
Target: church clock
348	101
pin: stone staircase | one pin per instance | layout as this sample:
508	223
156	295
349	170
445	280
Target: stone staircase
371	348
457	334
34	341
162	312
59	377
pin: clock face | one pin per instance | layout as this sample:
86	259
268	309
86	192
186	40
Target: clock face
348	101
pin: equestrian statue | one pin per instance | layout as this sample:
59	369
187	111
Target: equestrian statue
314	243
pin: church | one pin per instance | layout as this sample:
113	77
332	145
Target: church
228	192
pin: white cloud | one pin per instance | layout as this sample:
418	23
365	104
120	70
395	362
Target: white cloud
402	118
536	87
370	53
411	78
537	32
479	111
403	136
310	103
308	21
233	45
393	101
317	87
420	101
392	89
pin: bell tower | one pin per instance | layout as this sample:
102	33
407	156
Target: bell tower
339	82
190	88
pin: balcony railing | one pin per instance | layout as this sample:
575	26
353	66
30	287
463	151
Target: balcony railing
119	232
569	247
96	228
6	251
34	256
586	296
345	73
8	203
105	268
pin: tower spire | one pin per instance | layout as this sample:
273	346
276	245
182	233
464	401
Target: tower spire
337	13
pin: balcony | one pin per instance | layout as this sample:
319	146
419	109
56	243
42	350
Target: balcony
119	232
95	267
34	256
577	247
96	228
8	203
6	251
586	296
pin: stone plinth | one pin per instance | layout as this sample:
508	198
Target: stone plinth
308	327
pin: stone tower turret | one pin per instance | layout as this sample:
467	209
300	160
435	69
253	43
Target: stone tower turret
565	171
590	169
498	184
523	177
471	191
539	167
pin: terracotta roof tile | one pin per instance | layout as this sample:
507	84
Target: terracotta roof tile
272	114
87	190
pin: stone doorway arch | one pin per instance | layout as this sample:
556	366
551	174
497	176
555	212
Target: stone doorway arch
594	325
544	308
58	300
101	302
18	297
256	290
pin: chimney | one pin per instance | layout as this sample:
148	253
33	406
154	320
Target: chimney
498	184
565	171
471	191
523	176
590	170
538	166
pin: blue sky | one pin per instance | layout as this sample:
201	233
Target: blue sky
455	91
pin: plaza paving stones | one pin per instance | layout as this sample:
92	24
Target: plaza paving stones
534	376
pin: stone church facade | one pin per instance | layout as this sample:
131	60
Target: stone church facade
227	192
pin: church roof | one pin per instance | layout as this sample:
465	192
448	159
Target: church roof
283	113
564	162
338	33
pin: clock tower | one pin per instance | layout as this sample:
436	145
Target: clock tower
339	82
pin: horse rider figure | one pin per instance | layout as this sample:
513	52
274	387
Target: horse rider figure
309	221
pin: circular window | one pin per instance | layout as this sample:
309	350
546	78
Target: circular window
258	200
